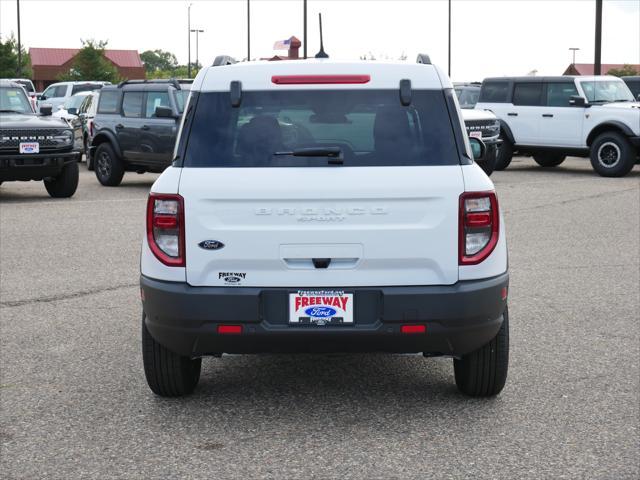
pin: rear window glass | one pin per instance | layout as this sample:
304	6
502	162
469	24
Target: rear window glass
494	92
527	94
109	101
370	127
132	104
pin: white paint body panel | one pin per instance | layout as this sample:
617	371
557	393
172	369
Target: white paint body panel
380	225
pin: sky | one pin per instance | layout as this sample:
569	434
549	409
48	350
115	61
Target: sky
489	37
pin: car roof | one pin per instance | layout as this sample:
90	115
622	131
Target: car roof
631	77
9	83
258	75
557	78
84	82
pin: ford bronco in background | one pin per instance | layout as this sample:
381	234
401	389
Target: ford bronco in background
479	123
35	147
320	206
553	117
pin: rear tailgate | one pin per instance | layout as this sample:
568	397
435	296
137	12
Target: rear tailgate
378	226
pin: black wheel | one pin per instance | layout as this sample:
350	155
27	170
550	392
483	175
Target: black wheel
549	159
505	154
483	372
612	155
168	374
488	163
66	183
109	168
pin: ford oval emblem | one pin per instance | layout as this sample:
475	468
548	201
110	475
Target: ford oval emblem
211	245
320	311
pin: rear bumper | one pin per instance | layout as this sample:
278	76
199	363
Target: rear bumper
35	166
459	318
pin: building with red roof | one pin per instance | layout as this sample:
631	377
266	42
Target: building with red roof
49	63
588	68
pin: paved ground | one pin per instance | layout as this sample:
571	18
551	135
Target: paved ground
74	402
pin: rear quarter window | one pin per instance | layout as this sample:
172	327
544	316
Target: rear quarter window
370	127
109	101
494	92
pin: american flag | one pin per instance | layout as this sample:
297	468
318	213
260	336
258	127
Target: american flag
282	44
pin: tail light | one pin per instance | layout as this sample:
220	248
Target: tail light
479	226
165	228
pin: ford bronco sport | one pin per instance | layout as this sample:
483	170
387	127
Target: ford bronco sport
320	206
35	147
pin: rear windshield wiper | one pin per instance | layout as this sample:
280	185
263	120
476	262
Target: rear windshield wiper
333	153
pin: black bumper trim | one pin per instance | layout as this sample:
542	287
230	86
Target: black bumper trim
459	318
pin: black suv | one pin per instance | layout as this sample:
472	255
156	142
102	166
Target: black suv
35	147
135	127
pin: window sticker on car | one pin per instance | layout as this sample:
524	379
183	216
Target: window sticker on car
333	307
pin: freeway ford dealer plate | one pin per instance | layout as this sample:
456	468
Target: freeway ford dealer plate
29	147
320	307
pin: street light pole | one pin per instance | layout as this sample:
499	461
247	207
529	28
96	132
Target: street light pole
248	31
597	65
304	27
449	66
189	41
574	49
197	32
19	69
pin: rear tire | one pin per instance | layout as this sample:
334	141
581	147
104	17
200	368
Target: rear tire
549	159
488	163
505	154
109	168
483	372
612	155
168	374
66	183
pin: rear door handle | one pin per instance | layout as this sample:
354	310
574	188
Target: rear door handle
119	126
512	114
145	127
547	115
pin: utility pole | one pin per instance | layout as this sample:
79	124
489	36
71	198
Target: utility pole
248	31
19	69
189	41
449	67
197	32
574	49
597	63
304	24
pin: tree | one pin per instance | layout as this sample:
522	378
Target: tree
158	60
625	71
91	64
9	59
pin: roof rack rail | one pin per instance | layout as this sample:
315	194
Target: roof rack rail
423	58
221	60
172	81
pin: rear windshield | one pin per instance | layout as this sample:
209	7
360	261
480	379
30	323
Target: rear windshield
370	127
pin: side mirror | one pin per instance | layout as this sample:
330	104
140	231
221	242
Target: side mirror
164	112
46	110
577	101
72	111
478	148
42	97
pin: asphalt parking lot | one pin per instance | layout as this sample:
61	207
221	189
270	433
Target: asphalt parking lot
75	404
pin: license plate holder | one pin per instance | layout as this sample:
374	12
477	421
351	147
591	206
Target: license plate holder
29	147
321	307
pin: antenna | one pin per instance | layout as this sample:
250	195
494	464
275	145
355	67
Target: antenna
321	53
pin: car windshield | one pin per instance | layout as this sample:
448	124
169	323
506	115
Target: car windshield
182	96
13	99
606	91
467	97
74	102
281	128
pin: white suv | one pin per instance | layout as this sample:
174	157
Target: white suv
552	117
317	206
